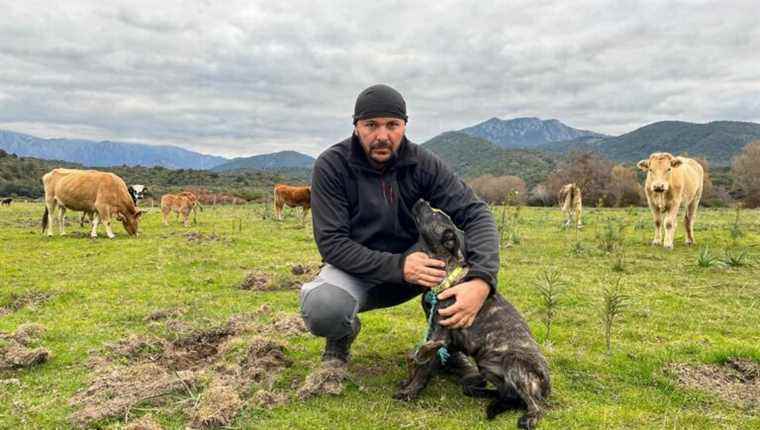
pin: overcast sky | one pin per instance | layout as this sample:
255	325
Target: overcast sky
239	78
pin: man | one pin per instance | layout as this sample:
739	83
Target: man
363	189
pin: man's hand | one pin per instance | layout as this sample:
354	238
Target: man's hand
470	297
422	270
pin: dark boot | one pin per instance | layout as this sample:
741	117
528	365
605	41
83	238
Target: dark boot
340	349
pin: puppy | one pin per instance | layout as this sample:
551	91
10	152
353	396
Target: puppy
499	339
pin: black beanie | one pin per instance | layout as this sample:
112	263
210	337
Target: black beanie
379	101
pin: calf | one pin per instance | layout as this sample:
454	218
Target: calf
292	197
499	339
672	182
103	194
181	204
572	204
7	201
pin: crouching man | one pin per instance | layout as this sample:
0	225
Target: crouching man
363	190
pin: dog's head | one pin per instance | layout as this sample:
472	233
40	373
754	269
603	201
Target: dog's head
439	233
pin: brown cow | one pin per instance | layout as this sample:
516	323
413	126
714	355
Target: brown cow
572	203
292	197
672	181
181	203
101	193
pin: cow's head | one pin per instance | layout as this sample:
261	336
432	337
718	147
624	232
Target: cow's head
130	221
659	167
137	192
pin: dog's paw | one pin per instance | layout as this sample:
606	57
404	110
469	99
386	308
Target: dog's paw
527	421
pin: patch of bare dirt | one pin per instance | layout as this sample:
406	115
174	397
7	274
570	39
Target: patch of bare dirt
146	422
267	399
201	237
257	281
289	325
220	366
302	269
736	381
163	314
327	379
16	351
28	299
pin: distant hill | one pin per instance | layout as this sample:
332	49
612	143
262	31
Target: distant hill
472	157
105	153
717	141
275	161
525	132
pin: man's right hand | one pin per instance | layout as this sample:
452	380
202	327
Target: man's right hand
422	270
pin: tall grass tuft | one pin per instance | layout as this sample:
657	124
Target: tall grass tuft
550	287
705	259
736	260
614	304
610	238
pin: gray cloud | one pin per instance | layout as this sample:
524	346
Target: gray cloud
241	78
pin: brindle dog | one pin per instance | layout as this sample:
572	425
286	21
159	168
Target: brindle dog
499	339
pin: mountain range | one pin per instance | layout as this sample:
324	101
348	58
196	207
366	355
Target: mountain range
526	133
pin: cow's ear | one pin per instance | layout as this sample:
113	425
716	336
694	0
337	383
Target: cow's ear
119	216
643	165
675	162
138	214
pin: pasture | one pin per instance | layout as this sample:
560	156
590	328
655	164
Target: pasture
677	316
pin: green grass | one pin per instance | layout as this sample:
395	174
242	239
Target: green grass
676	311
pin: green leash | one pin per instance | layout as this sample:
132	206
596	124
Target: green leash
431	297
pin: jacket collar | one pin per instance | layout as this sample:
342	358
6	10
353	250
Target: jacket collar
407	156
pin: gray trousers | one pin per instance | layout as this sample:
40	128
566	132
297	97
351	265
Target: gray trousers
331	301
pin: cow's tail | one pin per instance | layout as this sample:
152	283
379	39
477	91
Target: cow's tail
45	220
198	205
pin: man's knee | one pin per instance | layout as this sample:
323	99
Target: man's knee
328	310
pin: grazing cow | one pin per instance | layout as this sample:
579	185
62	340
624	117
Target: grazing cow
7	202
101	193
572	204
292	197
180	203
672	181
135	191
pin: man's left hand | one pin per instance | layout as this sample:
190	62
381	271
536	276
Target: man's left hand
470	297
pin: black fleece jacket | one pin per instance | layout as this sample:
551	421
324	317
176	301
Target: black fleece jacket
362	217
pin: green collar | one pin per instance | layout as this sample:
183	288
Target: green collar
454	277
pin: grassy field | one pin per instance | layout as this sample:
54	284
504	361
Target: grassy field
87	293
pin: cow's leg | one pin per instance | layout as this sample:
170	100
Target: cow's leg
95	221
62	219
165	214
657	215
52	205
185	217
691	214
105	218
578	213
305	212
671	220
278	210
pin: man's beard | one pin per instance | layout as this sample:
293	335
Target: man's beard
383	145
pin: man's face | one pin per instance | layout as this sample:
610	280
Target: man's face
380	137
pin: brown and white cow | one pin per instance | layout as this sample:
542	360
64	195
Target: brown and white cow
672	182
292	197
181	203
101	193
572	203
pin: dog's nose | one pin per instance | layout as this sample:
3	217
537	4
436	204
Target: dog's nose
658	188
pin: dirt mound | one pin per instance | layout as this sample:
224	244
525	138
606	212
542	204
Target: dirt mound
201	237
289	325
327	379
736	381
146	422
218	406
219	367
115	390
257	281
15	351
302	269
29	299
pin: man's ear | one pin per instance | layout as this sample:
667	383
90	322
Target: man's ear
643	165
675	162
